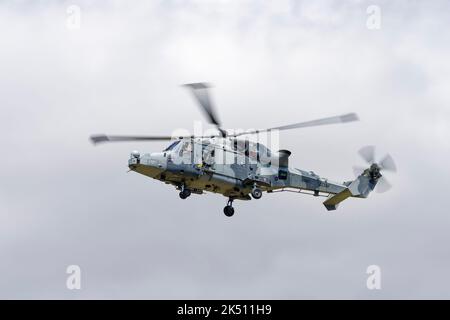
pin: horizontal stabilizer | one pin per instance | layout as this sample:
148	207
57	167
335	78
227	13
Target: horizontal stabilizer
332	202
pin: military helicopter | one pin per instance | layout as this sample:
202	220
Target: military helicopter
241	169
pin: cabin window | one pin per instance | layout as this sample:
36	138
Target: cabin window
264	155
208	154
186	148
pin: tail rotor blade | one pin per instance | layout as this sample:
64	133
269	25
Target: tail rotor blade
383	185
368	154
388	164
358	170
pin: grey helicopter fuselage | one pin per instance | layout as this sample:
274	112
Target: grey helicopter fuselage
240	169
233	169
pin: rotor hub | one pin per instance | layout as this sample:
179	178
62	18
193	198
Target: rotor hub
374	171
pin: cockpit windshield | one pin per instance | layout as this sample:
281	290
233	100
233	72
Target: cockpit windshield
172	145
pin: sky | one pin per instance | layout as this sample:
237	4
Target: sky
117	68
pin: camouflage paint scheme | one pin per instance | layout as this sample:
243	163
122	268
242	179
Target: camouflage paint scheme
235	180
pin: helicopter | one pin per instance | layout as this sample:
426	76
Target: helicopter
241	169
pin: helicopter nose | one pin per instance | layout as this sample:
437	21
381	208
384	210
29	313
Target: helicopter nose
135	154
135	159
155	160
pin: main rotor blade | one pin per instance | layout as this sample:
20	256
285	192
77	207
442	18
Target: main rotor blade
368	153
318	122
98	138
201	94
387	163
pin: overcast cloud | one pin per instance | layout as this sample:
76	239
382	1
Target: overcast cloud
64	201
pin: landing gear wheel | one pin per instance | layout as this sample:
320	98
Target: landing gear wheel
256	193
228	210
185	193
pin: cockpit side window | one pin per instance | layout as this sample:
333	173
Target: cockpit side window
208	154
186	148
171	146
264	155
241	146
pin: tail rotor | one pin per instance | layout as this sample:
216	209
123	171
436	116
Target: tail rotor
375	168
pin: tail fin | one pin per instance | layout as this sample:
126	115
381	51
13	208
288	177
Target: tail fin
360	187
366	181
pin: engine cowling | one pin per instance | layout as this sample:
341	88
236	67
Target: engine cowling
283	164
283	158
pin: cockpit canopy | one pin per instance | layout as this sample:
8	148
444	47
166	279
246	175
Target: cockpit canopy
172	145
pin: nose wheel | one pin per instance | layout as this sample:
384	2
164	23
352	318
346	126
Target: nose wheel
229	210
